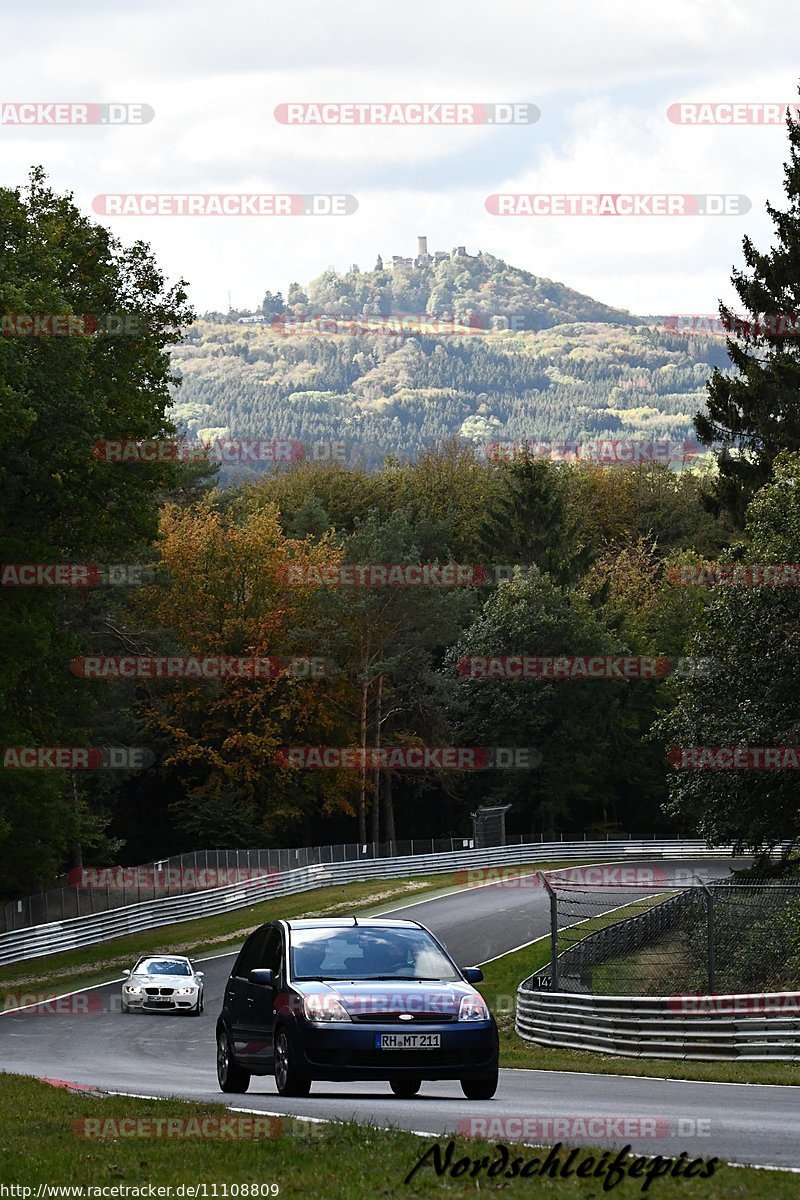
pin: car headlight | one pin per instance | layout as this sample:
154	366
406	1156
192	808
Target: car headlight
131	990
324	1009
473	1008
187	991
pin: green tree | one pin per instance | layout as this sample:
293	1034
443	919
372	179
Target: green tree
750	698
569	722
754	412
59	396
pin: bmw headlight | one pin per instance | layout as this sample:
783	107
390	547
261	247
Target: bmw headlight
187	991
132	990
324	1009
473	1008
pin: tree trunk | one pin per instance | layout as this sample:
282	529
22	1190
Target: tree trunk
362	805
376	812
388	808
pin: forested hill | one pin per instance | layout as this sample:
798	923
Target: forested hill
479	286
568	367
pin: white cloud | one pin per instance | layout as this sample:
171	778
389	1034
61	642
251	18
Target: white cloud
602	74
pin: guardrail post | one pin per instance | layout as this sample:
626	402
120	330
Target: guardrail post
553	931
711	938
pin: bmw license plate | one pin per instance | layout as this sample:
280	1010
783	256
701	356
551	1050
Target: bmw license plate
408	1041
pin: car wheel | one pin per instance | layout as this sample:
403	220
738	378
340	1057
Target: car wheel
124	1008
230	1075
480	1089
198	1008
405	1086
287	1080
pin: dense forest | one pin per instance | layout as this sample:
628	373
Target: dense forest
563	561
542	362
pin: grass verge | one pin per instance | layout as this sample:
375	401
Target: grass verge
40	1143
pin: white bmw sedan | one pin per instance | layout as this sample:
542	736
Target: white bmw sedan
163	983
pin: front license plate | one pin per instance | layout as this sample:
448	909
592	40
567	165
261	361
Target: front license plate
408	1041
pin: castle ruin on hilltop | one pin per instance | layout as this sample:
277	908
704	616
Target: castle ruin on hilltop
424	259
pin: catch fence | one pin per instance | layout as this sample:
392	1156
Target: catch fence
672	934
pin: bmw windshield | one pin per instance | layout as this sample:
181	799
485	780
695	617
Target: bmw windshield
360	953
161	966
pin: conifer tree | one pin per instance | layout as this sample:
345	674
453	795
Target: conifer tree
755	412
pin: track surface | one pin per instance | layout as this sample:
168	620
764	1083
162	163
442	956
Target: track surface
173	1055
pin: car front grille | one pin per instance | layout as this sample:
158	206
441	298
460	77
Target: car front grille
393	1018
159	991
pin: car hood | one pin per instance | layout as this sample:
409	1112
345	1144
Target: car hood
175	981
392	996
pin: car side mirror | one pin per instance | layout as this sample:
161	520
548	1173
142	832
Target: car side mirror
473	974
126	971
262	975
200	974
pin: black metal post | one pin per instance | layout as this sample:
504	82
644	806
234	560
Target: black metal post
712	940
553	931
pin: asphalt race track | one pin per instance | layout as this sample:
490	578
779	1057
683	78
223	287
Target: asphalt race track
157	1055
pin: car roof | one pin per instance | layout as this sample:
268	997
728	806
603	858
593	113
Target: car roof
351	923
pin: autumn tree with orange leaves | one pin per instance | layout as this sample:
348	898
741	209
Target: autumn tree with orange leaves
223	591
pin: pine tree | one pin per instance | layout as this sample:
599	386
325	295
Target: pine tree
755	413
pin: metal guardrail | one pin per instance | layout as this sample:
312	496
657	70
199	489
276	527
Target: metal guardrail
57	936
756	1027
197	871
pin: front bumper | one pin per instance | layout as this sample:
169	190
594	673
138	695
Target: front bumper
162	1003
468	1050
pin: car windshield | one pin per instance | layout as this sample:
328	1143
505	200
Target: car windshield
359	952
162	966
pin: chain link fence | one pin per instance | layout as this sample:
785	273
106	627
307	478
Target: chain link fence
659	937
97	890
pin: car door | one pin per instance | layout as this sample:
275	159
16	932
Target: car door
236	991
260	1000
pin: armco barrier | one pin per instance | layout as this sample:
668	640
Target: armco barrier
38	940
754	1028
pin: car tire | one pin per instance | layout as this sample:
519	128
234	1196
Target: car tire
198	1008
124	1007
405	1086
480	1089
287	1080
230	1075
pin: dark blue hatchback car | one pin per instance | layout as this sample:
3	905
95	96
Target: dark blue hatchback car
351	998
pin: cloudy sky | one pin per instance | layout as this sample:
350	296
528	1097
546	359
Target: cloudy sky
603	75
